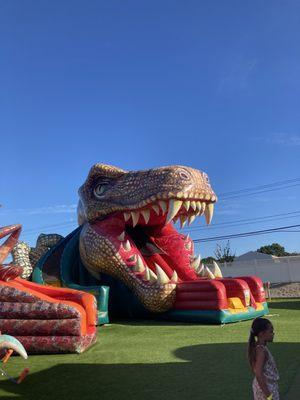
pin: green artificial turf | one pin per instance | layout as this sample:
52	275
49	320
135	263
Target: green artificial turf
156	360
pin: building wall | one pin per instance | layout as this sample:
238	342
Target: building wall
278	270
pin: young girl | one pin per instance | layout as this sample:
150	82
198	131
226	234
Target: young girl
265	386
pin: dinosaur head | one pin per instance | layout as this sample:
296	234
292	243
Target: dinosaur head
128	231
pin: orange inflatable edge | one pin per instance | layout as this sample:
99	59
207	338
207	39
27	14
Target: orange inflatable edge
83	302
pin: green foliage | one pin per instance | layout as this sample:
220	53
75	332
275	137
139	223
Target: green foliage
208	260
224	253
275	249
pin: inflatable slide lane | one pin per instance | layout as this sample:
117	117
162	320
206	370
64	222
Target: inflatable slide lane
47	319
44	319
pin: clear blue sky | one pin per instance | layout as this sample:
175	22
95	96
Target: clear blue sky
213	85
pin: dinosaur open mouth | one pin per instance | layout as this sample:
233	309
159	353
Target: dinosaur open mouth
147	242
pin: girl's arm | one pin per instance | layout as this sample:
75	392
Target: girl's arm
258	370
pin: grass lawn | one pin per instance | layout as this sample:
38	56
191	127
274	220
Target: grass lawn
153	360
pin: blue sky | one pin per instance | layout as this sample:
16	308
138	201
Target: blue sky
210	84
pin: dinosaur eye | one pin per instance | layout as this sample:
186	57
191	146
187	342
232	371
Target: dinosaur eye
205	177
100	189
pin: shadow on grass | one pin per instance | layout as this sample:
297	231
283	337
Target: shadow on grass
287	305
215	371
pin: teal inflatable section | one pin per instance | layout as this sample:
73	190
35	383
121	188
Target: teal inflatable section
72	273
214	316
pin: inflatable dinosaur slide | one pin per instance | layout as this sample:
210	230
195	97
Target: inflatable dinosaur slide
129	254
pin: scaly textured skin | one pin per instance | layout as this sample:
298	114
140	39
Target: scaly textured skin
114	202
27	257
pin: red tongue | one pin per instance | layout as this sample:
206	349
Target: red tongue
176	256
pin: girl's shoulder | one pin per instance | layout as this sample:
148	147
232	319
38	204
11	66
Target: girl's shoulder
260	349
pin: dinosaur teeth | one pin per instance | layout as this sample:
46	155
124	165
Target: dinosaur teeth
153	277
208	273
196	263
191	219
127	245
121	237
156	209
162	277
200	270
174	207
193	205
139	265
199	209
174	277
216	270
209	211
146	276
188	245
126	216
183	219
186	205
146	215
163	206
135	215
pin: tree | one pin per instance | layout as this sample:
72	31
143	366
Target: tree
275	249
224	254
208	260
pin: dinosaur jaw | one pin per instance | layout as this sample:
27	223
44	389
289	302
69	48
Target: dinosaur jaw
148	252
148	234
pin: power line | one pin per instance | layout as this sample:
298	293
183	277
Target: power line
259	192
247	221
245	234
62	224
260	187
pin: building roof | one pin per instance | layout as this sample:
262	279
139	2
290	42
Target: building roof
254	255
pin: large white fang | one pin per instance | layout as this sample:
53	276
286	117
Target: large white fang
174	207
153	277
156	209
139	266
186	205
188	245
126	216
209	274
183	219
193	205
127	245
146	274
209	211
199	208
146	215
200	270
216	270
163	206
121	237
191	219
195	264
135	217
174	277
162	277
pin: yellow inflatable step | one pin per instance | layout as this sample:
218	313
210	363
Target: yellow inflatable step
235	305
